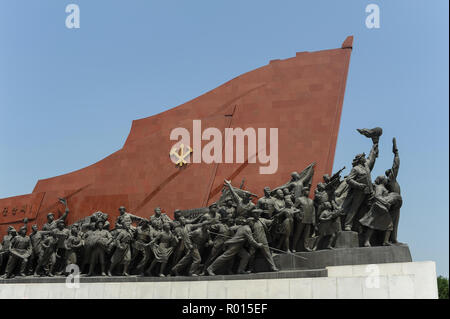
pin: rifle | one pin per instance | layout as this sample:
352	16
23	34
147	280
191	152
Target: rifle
334	180
337	174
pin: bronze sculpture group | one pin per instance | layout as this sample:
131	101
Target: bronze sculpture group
225	238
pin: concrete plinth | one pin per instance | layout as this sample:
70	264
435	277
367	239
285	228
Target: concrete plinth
344	256
347	239
389	280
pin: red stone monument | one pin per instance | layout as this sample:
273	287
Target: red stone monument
302	96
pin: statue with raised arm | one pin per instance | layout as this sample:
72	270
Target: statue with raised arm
244	204
51	223
298	181
393	186
359	180
61	234
127	218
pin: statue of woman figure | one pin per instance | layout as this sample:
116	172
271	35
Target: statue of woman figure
100	239
162	247
72	244
379	216
286	224
329	226
122	253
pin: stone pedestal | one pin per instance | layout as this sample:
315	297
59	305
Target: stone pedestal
395	280
347	239
343	256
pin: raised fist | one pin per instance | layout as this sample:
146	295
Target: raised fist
394	146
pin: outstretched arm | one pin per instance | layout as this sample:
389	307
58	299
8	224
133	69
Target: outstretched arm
66	212
251	240
372	156
136	218
236	197
396	163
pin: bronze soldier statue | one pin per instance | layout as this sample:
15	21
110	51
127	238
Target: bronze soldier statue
162	247
305	220
379	216
393	186
51	223
244	204
235	246
262	236
266	203
122	252
101	238
359	180
20	250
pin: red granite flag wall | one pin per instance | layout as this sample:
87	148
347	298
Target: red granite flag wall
301	96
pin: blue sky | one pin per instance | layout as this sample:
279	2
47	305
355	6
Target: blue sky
67	97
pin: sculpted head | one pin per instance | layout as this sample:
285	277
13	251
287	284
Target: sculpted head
23	231
213	209
177	214
158	211
50	217
251	222
122	210
99	225
240	220
166	227
359	159
388	172
321	187
279	194
381	180
305	191
229	202
256	213
60	224
182	220
288	202
267	191
74	230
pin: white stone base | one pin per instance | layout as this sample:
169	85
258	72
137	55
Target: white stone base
396	280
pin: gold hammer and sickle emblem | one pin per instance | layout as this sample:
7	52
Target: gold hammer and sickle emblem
181	154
